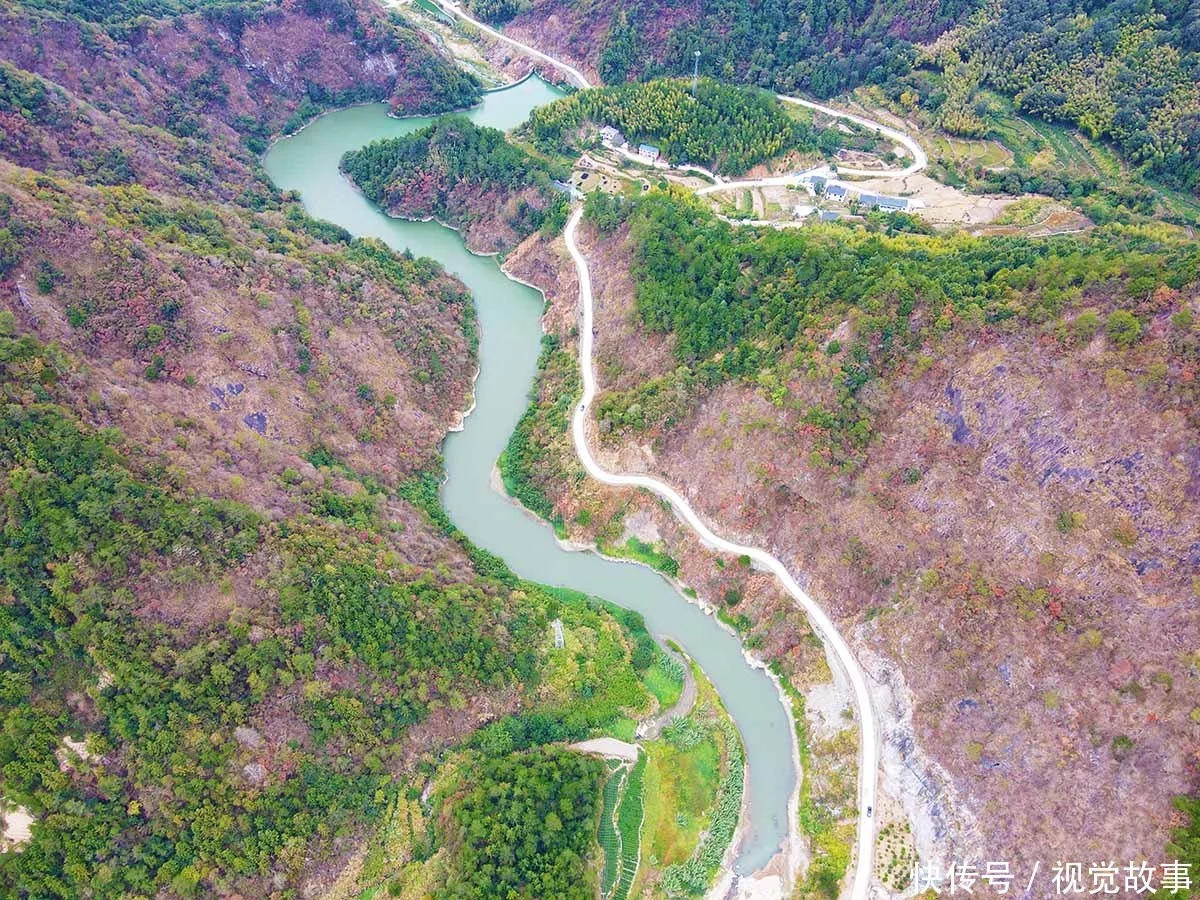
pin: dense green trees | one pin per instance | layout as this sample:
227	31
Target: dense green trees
1128	72
714	286
1124	71
24	94
724	127
605	211
453	148
1122	328
817	46
524	828
445	84
497	11
455	170
349	650
11	246
739	301
522	455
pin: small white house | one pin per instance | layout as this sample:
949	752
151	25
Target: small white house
648	151
611	136
836	192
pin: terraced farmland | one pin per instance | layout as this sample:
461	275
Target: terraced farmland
629	828
619	833
610	841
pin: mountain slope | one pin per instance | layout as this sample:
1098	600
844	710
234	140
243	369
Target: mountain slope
993	485
1126	73
188	101
232	617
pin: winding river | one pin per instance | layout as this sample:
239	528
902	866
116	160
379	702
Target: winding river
510	335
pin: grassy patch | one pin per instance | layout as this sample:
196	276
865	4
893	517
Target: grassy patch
681	786
644	649
1068	149
623	728
694	875
693	795
649	554
664	680
971	152
1026	211
404	859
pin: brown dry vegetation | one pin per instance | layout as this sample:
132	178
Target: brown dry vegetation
236	404
178	94
273	336
485	218
1023	539
222	336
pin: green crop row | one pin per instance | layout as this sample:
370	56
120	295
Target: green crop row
629	824
610	841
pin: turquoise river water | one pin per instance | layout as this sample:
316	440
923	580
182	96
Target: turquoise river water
510	335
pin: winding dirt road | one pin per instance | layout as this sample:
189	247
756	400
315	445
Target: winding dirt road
868	777
920	159
454	9
869	747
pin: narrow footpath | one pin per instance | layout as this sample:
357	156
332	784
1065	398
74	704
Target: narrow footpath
681	709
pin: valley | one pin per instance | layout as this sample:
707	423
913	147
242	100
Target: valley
643	456
804	493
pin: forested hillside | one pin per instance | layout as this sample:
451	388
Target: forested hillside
225	739
815	45
723	127
949	435
114	244
739	302
199	697
237	630
1121	72
506	798
464	175
1127	73
205	90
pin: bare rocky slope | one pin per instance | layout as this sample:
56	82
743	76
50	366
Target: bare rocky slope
1021	538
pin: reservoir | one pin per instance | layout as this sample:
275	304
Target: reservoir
510	339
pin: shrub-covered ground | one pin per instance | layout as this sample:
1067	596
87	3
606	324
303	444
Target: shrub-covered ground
464	175
978	450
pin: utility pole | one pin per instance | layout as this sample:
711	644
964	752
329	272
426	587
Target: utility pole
695	73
